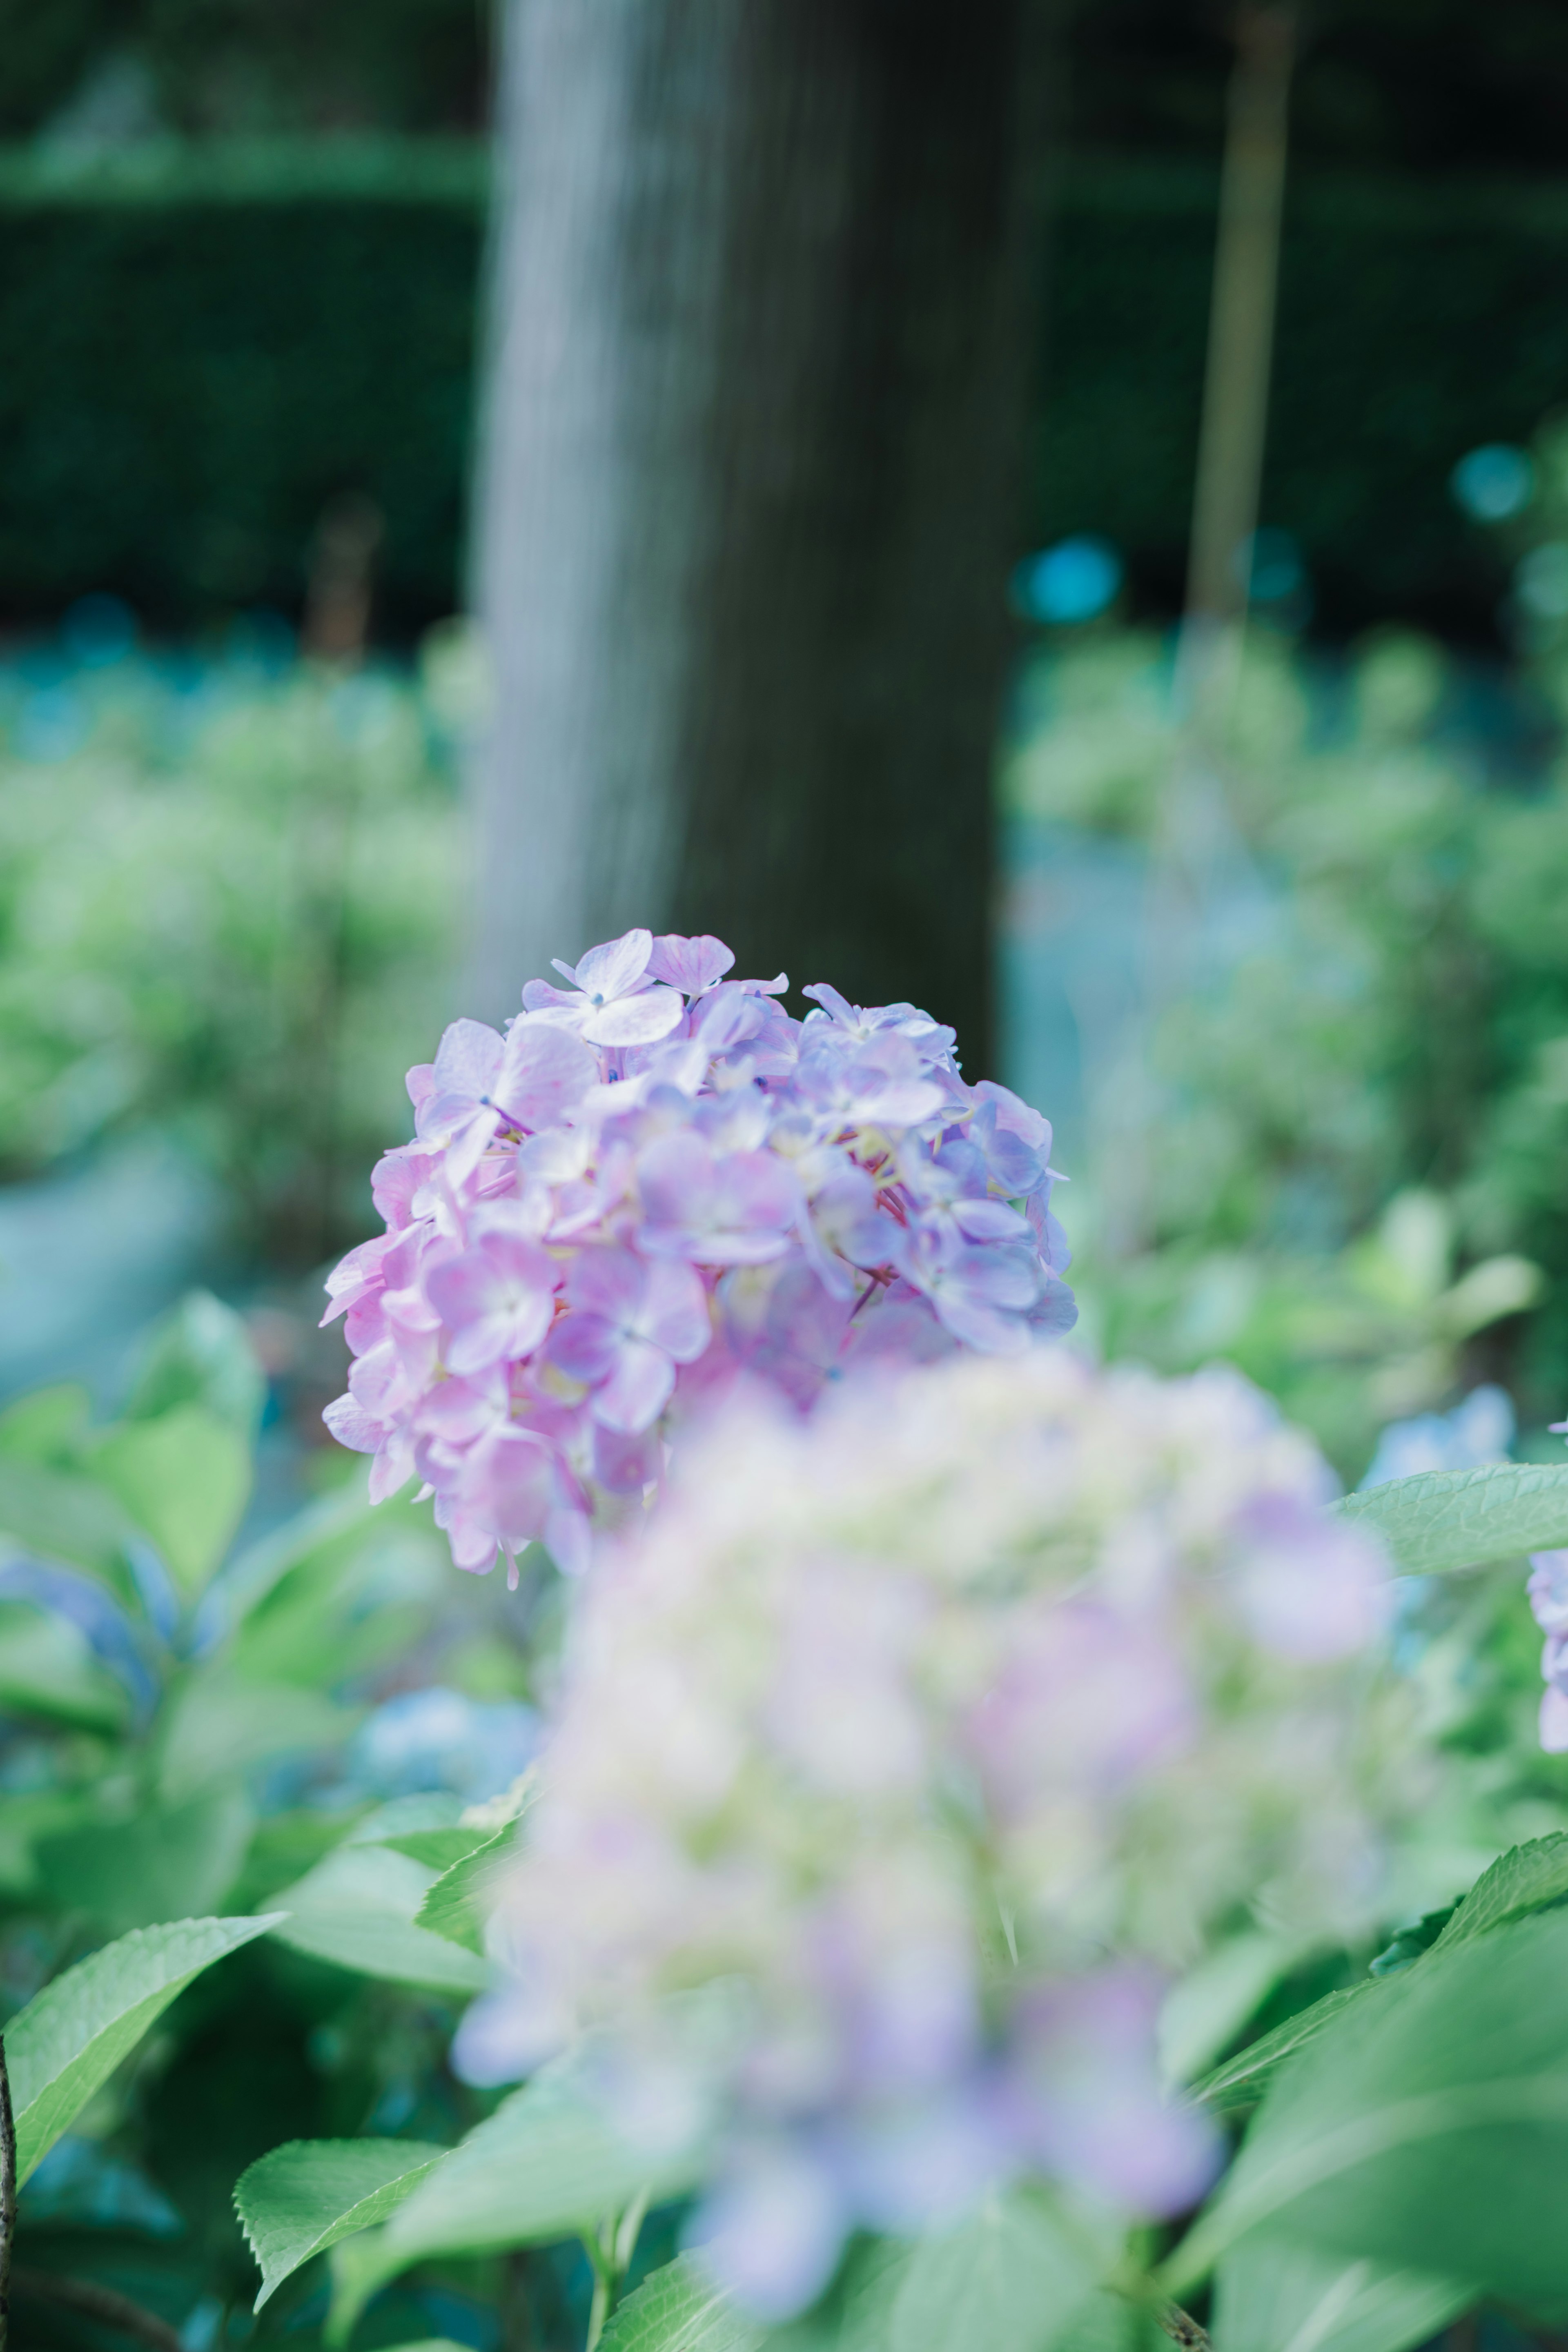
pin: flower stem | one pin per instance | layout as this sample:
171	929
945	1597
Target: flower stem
7	2196
101	2303
1183	2329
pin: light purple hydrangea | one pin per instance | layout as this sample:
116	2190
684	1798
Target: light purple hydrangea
939	1729
654	1185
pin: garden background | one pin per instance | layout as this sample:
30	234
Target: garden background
246	258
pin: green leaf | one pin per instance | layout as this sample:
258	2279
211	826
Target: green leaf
1527	1878
439	1849
1239	2082
48	1668
1461	1518
304	2197
460	1904
1272	2296
201	1354
217	1724
47	1426
356	1909
65	1518
1009	2277
679	2309
256	1572
1434	2118
1105	2322
166	1862
548	2164
185	1479
71	2036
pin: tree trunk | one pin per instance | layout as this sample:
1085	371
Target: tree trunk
760	342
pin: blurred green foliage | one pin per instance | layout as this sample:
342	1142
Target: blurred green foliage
228	911
1387	1024
177	1738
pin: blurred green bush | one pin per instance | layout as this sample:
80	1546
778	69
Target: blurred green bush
1388	1024
228	911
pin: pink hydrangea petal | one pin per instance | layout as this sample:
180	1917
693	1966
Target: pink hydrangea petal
636	1020
615	968
638	1389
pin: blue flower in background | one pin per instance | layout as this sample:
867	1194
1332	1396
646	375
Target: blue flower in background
1077	579
1493	482
1478	1431
439	1739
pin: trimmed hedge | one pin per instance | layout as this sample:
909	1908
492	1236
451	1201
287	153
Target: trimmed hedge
200	346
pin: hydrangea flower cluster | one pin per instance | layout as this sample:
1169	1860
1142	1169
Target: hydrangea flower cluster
655	1183
942	1724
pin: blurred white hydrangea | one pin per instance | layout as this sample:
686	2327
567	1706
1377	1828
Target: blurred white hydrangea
941	1727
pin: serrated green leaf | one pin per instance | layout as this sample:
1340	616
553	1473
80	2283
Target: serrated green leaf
1461	1518
463	1897
1435	2116
1008	2277
48	1668
71	2036
679	2309
439	1849
303	2197
166	1862
548	2164
1273	2296
1527	1878
356	1910
1241	2081
185	1479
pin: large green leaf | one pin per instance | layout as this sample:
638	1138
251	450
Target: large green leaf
1273	2296
256	1573
679	2309
1432	2118
48	1668
356	1909
1009	2277
1105	2322
71	2036
1527	1878
65	1516
1241	2081
170	1861
1460	1518
218	1724
304	2197
548	2164
185	1479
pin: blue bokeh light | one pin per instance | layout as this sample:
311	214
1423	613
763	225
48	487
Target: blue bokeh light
1074	580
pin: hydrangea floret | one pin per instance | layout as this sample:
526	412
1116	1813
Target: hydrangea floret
655	1183
942	1726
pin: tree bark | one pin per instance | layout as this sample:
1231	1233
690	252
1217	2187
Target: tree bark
762	338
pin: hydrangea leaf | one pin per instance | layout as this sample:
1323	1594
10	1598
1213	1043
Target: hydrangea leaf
185	1478
1009	2277
1460	1518
48	1668
547	2165
65	1518
219	1723
302	2197
679	2309
1273	2296
1241	2081
1106	2322
356	1910
1435	2116
166	1862
71	2036
463	1897
1527	1878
